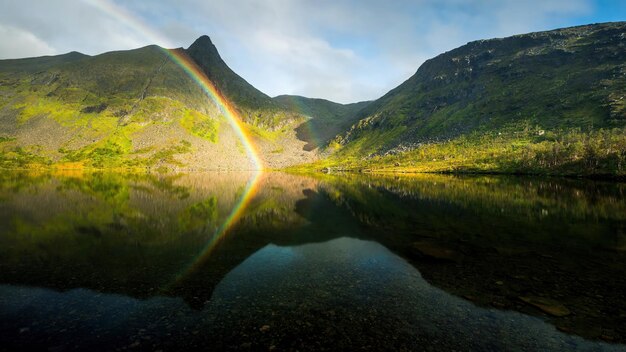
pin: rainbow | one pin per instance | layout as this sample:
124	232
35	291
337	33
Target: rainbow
180	58
227	109
191	69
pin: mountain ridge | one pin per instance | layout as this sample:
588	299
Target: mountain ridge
543	102
454	60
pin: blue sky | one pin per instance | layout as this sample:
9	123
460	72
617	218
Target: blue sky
341	50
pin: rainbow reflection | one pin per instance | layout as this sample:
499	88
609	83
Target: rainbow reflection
180	58
222	231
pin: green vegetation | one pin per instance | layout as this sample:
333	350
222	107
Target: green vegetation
17	157
278	150
116	152
270	135
366	146
535	151
106	153
167	155
103	125
200	125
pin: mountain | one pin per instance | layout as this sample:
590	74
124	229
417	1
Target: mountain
138	108
256	107
548	102
555	99
326	118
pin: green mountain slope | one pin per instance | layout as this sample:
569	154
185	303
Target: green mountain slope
541	102
548	102
136	108
326	118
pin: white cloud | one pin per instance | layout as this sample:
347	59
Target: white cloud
69	25
15	42
276	44
343	50
310	65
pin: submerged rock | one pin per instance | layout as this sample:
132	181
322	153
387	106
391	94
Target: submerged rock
434	251
547	305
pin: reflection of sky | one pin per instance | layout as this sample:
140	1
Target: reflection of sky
345	275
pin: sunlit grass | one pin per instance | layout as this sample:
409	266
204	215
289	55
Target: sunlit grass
559	152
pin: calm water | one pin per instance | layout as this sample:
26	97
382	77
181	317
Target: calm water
221	261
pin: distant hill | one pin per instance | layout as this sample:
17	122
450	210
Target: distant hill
560	86
35	64
327	118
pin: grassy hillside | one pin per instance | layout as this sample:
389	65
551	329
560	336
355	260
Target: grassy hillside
135	108
548	102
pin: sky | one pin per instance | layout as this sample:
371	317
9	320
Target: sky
342	50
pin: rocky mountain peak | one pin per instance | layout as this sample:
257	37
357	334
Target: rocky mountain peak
204	48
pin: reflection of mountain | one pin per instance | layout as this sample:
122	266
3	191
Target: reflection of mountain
266	224
502	241
131	234
489	239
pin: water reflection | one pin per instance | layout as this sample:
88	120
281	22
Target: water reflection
238	251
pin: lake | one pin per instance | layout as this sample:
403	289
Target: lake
273	261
